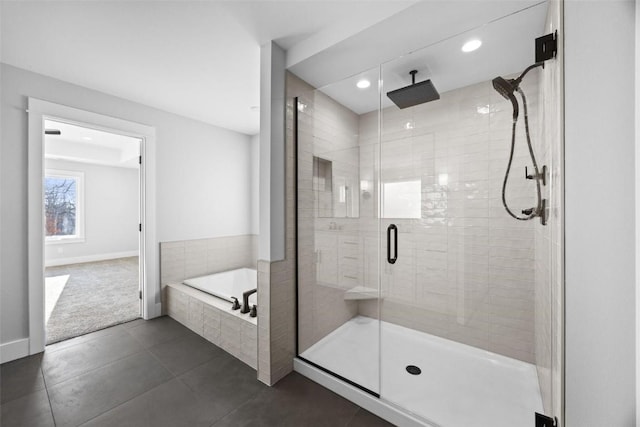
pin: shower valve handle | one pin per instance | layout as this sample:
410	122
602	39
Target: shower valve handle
542	175
528	211
526	173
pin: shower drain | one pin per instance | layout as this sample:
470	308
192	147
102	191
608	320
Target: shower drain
414	370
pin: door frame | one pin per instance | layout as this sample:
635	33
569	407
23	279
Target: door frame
38	111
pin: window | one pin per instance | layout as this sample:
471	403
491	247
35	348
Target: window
401	199
63	206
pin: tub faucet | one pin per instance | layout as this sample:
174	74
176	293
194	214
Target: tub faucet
245	300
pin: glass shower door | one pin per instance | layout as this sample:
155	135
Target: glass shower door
465	311
338	327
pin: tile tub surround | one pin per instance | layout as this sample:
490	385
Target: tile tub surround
213	319
185	259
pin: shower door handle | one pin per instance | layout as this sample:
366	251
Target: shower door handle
390	228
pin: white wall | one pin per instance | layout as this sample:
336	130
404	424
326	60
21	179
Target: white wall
255	184
637	129
111	213
600	239
271	245
203	178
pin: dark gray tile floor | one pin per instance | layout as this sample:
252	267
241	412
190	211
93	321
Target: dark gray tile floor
158	373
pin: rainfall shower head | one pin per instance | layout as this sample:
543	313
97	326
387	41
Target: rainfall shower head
506	88
414	94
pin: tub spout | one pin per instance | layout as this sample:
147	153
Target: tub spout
245	300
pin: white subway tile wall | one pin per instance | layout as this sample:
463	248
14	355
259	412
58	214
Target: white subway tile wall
329	258
466	270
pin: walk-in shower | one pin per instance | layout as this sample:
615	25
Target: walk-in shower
415	287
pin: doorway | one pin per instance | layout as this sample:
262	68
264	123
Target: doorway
38	112
91	200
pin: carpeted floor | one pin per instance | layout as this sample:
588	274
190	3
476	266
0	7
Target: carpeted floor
96	295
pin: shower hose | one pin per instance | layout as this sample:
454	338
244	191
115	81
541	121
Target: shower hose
537	211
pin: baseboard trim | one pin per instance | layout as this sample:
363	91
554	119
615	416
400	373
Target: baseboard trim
14	350
89	258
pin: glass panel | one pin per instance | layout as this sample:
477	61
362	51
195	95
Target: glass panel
338	292
465	323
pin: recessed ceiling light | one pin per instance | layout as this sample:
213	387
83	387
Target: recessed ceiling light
254	108
87	138
471	45
363	84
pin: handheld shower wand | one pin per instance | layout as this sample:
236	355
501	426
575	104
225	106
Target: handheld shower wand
507	88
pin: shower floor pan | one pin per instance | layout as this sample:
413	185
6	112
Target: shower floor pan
459	385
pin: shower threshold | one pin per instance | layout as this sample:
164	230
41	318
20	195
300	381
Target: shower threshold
458	385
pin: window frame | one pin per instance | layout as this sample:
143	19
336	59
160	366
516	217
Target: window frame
79	236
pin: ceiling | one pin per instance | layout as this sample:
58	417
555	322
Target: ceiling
199	59
507	48
86	145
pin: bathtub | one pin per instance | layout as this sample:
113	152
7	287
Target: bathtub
203	304
228	284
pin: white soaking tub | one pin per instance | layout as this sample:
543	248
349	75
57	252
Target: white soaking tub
228	284
203	304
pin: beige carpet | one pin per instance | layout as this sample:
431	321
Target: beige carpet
95	295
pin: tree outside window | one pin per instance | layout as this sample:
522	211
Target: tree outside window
62	205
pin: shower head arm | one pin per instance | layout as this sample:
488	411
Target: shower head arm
413	76
517	81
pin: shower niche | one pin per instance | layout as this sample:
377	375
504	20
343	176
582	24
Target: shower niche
414	284
336	194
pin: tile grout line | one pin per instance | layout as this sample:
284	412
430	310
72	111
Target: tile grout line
195	367
46	389
115	327
94	369
238	407
353	417
137	395
126	401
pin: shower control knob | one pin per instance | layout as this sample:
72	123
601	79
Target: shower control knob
526	174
